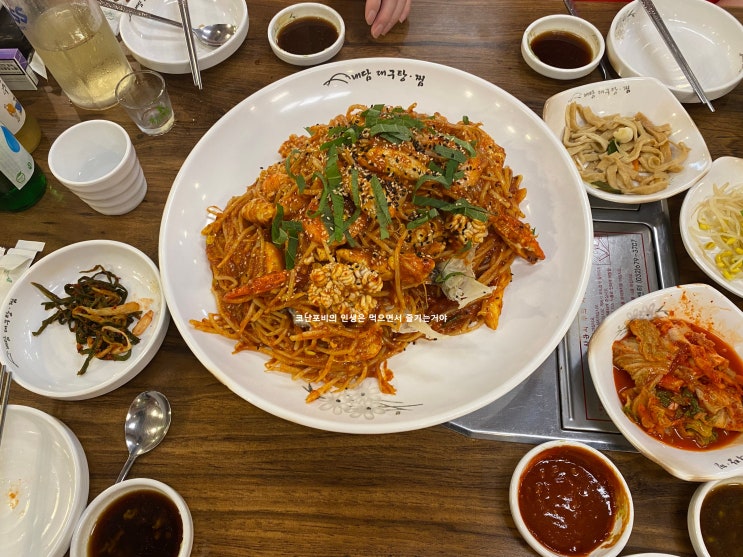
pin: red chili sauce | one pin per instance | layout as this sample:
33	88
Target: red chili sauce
568	499
623	381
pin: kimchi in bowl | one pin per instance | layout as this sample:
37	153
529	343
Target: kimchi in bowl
678	411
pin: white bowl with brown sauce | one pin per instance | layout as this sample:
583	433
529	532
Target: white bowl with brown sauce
714	517
562	46
568	498
618	102
138	516
306	34
688	444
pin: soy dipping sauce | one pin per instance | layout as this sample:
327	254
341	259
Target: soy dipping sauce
143	522
307	35
562	49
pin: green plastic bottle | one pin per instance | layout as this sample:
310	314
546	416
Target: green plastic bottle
22	183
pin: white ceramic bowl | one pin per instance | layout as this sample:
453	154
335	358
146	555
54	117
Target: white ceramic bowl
93	512
567	24
44	480
162	47
693	517
627	97
710	39
725	170
700	304
47	364
306	9
624	515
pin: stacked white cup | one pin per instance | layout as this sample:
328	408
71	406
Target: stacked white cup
97	162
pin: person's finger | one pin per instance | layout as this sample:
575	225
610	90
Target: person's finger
406	11
371	10
388	15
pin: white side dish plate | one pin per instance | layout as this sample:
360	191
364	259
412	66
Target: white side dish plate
626	97
47	364
44	480
725	170
162	47
702	305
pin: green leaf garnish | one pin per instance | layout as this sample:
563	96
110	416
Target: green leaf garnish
382	210
300	181
422	219
285	233
461	207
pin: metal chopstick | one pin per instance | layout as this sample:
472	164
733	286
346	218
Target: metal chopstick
132	11
6	378
192	58
675	51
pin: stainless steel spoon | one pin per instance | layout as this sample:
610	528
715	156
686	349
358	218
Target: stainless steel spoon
147	422
211	35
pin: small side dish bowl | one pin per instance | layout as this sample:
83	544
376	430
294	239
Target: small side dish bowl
569	34
703	306
709	37
162	48
627	97
330	26
146	497
47	364
561	519
725	170
714	517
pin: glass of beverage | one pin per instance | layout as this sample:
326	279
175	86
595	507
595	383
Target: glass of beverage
143	95
77	45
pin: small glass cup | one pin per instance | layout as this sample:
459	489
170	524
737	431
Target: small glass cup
143	95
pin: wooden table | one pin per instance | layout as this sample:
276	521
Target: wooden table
259	485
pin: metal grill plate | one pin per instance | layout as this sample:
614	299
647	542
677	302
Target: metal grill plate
632	255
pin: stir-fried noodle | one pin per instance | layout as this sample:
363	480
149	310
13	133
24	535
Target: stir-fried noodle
380	228
622	154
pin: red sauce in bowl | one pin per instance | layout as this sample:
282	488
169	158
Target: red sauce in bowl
569	500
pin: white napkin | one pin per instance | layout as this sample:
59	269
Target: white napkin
14	262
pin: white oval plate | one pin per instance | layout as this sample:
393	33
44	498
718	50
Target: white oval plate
724	170
626	97
162	47
44	480
435	381
697	303
47	364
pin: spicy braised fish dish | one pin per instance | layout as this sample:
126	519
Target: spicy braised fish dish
377	229
688	383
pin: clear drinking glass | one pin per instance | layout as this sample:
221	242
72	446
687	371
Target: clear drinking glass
143	95
77	45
